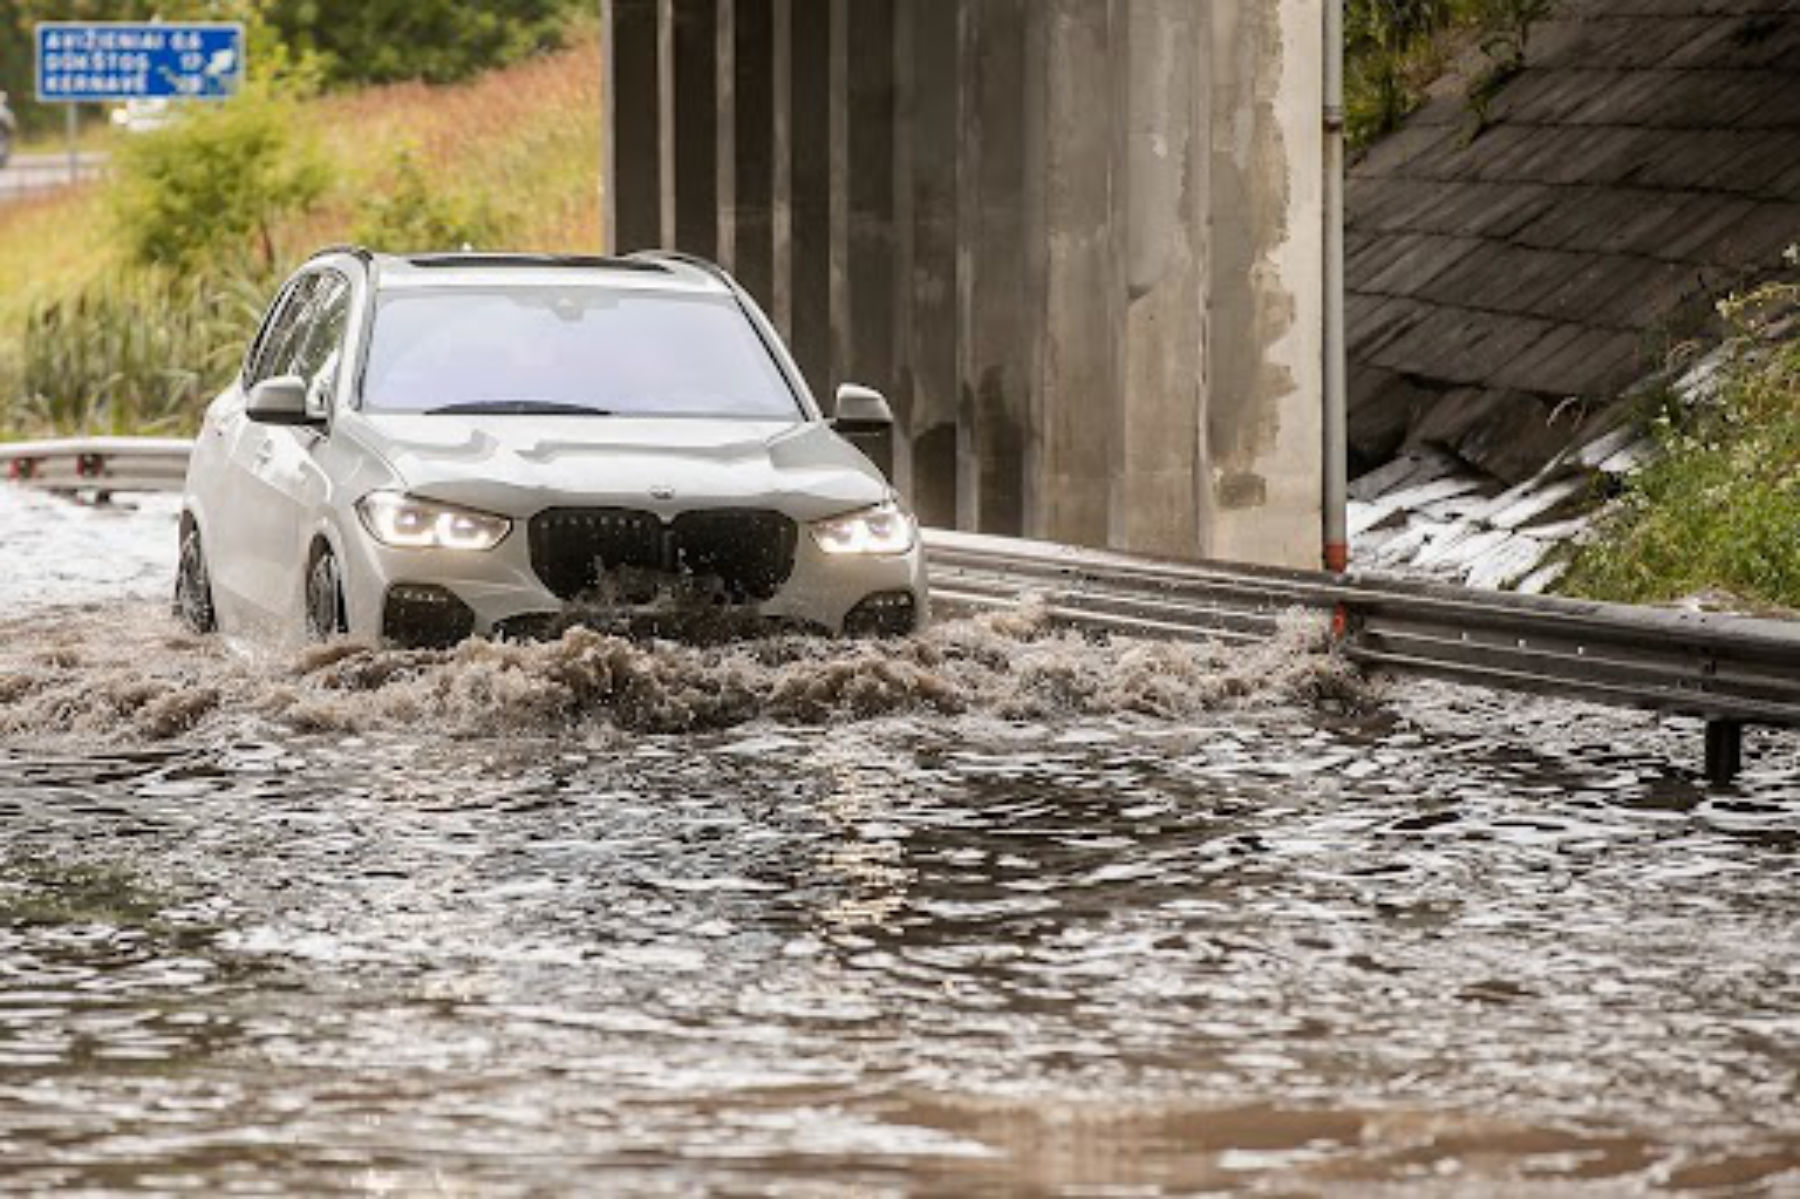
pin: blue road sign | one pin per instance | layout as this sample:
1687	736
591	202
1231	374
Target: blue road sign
118	60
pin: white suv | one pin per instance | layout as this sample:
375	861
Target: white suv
427	447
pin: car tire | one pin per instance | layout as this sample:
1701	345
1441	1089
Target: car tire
193	585
325	598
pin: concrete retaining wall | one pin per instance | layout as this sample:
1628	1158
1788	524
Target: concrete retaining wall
1076	242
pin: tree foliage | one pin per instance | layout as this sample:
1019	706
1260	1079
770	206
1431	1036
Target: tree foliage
411	214
439	41
210	187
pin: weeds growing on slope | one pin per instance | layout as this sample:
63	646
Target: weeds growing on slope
1719	509
1395	48
137	352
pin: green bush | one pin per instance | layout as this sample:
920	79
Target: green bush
209	188
410	215
1720	508
138	353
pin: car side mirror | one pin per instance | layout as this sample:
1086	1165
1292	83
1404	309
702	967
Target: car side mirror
866	422
861	410
280	400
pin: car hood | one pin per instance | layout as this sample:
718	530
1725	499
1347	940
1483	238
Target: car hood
517	465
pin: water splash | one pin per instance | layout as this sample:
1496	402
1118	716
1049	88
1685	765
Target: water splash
126	672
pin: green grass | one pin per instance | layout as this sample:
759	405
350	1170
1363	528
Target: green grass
1719	510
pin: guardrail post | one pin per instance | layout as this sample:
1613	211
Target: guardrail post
1724	751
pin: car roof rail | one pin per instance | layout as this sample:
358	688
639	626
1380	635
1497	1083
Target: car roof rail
456	258
350	248
705	265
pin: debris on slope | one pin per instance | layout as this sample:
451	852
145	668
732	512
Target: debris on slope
1430	513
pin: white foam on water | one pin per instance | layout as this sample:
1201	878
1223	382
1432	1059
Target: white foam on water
58	552
88	650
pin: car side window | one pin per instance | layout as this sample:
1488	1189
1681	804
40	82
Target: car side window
274	346
319	338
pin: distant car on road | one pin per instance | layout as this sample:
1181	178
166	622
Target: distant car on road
9	128
426	447
143	116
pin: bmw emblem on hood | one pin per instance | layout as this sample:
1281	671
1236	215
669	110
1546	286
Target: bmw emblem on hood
662	491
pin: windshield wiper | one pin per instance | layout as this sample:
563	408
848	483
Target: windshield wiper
517	408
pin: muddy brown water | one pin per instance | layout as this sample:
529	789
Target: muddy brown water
994	910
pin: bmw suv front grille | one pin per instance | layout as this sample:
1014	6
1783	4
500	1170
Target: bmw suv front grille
625	555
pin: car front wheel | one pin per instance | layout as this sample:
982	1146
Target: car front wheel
324	598
193	586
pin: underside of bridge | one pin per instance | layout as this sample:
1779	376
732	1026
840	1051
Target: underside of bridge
1077	243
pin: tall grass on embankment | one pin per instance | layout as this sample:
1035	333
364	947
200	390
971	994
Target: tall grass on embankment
1719	509
92	339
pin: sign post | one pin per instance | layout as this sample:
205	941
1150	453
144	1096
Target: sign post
110	61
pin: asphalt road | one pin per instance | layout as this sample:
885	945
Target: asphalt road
29	174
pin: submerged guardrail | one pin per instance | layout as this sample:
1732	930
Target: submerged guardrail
1729	671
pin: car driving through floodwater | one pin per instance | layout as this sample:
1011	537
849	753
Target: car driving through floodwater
426	447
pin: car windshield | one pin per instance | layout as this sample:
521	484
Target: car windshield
570	350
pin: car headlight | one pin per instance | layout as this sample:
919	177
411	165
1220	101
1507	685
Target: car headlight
884	529
409	524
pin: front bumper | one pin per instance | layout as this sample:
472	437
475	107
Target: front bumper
418	597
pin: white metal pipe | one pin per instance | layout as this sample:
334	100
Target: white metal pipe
1336	530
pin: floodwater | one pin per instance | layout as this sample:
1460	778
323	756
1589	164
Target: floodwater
993	910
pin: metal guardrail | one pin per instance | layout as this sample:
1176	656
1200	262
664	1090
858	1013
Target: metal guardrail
101	465
34	174
1729	671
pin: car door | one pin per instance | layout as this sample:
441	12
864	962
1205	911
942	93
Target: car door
233	442
285	484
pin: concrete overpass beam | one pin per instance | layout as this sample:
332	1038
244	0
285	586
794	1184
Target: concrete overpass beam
928	127
746	141
1159	503
633	137
863	242
802	188
1266	314
1080	376
691	203
996	334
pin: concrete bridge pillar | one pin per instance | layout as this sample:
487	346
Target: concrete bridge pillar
690	80
1161	498
631	144
928	131
1077	242
1263	400
864	235
994	316
746	146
